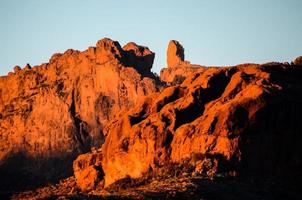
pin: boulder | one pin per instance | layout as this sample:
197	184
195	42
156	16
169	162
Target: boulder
88	173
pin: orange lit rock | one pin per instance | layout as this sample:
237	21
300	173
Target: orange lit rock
87	171
17	69
27	67
175	54
238	121
53	112
177	67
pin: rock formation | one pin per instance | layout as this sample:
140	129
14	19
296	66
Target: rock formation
139	57
298	61
105	104
175	54
51	113
177	68
240	121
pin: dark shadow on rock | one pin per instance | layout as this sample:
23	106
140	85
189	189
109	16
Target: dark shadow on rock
22	172
271	146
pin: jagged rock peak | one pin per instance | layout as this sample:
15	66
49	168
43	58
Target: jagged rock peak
140	57
27	66
137	49
178	68
107	49
108	43
175	54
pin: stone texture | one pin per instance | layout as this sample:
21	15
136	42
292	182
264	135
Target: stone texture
139	57
177	67
232	121
86	172
175	54
51	113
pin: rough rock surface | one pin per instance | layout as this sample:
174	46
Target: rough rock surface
177	67
175	54
51	113
140	57
240	121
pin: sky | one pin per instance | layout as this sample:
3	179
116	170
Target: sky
213	32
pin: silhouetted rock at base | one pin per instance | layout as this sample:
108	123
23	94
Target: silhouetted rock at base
139	57
167	188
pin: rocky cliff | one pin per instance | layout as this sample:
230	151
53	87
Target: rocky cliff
240	121
177	67
51	113
105	104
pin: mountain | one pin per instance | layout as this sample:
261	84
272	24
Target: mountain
241	121
51	113
99	124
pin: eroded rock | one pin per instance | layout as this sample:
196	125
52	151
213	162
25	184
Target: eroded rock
177	67
175	54
232	121
53	112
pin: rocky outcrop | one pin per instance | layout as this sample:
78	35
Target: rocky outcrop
177	68
51	113
140	57
175	54
175	75
232	121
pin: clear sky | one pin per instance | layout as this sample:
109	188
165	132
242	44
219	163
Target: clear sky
213	32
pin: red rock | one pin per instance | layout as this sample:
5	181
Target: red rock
88	175
17	69
27	67
108	50
139	57
57	110
175	54
177	66
238	121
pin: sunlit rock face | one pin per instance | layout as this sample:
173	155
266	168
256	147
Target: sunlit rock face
177	67
51	113
175	54
229	121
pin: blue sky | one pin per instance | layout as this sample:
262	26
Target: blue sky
213	32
